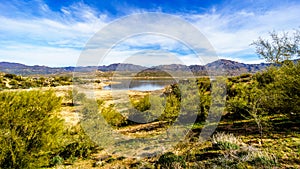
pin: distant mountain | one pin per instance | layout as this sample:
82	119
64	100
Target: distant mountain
21	69
121	67
219	67
173	67
226	66
230	67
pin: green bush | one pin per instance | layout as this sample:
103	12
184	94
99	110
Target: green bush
29	128
76	144
276	90
111	115
146	109
74	97
79	148
56	160
171	161
262	158
10	76
227	146
142	104
172	109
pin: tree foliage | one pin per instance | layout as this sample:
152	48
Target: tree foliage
29	128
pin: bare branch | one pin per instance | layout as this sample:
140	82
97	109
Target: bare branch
281	47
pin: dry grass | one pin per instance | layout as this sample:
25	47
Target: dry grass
223	137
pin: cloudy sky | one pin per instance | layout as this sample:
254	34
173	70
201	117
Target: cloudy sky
54	33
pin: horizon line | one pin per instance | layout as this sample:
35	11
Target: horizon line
74	66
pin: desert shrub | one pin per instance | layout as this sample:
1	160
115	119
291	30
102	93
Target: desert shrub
29	128
174	90
204	105
266	77
204	83
155	107
2	84
56	160
233	153
142	104
10	76
27	84
280	85
226	141
135	116
78	146
245	75
171	161
14	84
248	158
75	97
111	115
172	109
287	86
262	158
248	98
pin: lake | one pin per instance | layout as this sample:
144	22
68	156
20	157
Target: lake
140	85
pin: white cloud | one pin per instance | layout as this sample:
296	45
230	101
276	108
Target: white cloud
56	38
39	55
233	33
52	41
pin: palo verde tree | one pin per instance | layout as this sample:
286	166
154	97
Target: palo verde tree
281	83
279	48
29	128
249	103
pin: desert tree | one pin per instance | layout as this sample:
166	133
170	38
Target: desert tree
249	102
279	47
74	96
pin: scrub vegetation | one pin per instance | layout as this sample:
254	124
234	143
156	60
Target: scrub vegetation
259	126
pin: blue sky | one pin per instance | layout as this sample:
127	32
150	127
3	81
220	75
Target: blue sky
54	33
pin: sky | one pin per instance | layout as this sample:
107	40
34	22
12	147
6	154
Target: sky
56	33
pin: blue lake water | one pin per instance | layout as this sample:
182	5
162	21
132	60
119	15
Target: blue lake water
140	85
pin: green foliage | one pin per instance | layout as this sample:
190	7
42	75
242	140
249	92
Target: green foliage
286	90
142	104
74	96
78	145
29	127
227	146
172	109
171	161
56	160
224	141
146	109
19	82
278	89
11	76
273	91
112	117
263	161
188	100
203	83
246	158
229	151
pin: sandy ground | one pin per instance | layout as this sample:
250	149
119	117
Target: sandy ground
117	97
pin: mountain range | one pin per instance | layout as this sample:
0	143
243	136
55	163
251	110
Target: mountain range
227	66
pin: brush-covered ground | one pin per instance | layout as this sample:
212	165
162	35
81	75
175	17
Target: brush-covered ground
259	128
234	144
